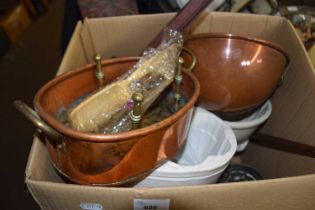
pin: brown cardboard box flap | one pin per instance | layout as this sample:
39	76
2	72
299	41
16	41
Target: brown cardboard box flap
267	194
74	52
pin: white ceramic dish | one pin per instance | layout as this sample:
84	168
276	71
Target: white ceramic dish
154	181
210	146
244	128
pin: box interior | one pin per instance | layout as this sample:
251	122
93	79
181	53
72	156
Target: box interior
293	115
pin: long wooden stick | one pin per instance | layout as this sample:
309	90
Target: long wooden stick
182	19
282	144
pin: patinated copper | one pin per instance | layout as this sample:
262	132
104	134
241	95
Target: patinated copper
109	159
236	74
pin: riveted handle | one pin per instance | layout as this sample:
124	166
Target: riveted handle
99	73
135	114
193	58
32	116
178	81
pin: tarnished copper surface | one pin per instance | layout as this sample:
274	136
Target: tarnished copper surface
110	159
236	74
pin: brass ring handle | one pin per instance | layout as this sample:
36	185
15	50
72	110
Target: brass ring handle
193	58
32	116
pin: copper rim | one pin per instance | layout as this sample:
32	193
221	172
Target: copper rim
240	37
91	137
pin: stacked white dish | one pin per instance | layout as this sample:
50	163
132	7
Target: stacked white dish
210	146
245	127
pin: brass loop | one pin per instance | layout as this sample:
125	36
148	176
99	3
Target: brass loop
193	58
32	116
99	73
135	114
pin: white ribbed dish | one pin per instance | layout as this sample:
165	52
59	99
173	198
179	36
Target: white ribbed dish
244	128
210	146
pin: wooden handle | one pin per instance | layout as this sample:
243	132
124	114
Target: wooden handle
182	19
282	144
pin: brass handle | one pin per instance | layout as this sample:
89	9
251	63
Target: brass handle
32	116
135	114
178	80
99	73
193	58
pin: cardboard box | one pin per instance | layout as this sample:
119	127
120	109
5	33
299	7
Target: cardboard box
290	178
15	22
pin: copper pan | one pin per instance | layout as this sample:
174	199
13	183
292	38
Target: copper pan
236	74
106	159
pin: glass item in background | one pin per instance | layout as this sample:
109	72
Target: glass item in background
303	20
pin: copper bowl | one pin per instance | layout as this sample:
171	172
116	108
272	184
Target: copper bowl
106	159
236	74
